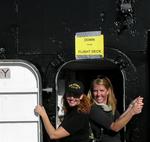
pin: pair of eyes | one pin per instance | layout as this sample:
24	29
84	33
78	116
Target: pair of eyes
102	90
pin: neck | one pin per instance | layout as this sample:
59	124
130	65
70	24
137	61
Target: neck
104	106
99	103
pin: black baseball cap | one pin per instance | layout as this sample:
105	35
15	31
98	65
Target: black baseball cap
74	88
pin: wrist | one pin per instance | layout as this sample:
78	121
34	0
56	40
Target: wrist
132	112
131	104
43	115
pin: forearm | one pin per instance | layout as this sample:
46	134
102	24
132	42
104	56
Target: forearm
52	132
134	108
122	120
48	126
128	109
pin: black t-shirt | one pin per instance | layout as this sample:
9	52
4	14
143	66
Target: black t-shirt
102	120
77	124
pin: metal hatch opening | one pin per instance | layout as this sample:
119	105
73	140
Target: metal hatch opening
86	70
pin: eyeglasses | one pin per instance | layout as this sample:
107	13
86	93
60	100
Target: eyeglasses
70	99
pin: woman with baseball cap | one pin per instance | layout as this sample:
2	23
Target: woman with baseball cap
75	125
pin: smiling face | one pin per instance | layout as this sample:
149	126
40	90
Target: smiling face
73	101
100	93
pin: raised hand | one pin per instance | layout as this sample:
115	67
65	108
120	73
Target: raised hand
40	110
137	105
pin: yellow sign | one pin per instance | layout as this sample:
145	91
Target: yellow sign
89	45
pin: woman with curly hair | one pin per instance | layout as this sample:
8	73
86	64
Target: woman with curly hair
75	125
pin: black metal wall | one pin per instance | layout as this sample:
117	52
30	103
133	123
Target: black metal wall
42	32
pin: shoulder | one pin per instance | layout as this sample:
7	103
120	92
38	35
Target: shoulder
78	114
82	115
95	107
